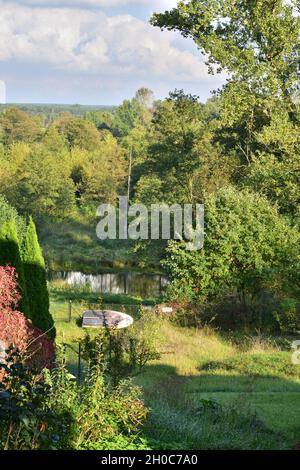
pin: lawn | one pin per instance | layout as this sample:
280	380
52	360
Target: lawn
205	393
208	391
82	299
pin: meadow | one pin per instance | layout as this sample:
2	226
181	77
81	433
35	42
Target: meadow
209	389
71	244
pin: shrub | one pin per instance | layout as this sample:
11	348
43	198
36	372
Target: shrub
101	413
123	353
288	315
27	422
36	281
15	329
49	410
249	249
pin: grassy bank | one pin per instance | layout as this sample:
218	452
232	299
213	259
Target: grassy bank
72	245
207	393
84	299
208	390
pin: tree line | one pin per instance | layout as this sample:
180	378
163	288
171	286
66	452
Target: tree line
238	153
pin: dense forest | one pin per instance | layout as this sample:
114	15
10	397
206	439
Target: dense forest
49	112
237	153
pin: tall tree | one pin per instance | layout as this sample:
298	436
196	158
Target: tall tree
257	44
18	126
79	133
42	185
181	151
36	281
248	248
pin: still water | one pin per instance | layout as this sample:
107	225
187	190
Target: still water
143	285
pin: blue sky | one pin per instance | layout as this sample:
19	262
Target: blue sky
94	52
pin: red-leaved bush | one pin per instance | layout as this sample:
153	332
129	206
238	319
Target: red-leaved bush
15	329
9	295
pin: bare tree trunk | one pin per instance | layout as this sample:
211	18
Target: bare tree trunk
129	174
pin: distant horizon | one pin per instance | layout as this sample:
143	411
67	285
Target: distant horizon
40	103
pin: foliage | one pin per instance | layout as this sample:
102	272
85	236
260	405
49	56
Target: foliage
52	111
9	294
78	133
26	259
123	353
27	421
41	185
277	180
102	174
49	411
132	112
15	329
10	254
119	442
248	248
36	281
287	315
256	43
9	213
16	126
100	412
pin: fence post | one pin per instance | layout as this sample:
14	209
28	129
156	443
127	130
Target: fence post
70	311
79	364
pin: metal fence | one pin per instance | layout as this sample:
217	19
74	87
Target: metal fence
70	313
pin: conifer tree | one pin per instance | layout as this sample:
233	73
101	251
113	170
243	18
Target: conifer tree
36	281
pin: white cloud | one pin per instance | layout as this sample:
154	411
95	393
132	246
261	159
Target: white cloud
81	3
99	3
88	41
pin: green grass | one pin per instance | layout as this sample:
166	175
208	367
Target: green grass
206	391
84	299
72	245
70	332
205	394
61	292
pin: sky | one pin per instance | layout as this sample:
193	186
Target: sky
94	52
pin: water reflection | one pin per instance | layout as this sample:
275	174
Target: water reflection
144	285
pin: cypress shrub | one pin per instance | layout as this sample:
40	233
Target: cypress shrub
36	281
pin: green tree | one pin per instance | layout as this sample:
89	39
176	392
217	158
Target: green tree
132	113
36	281
257	44
145	97
8	214
248	247
42	186
54	141
18	126
181	151
79	133
102	120
102	173
135	146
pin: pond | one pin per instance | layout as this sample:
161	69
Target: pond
136	284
